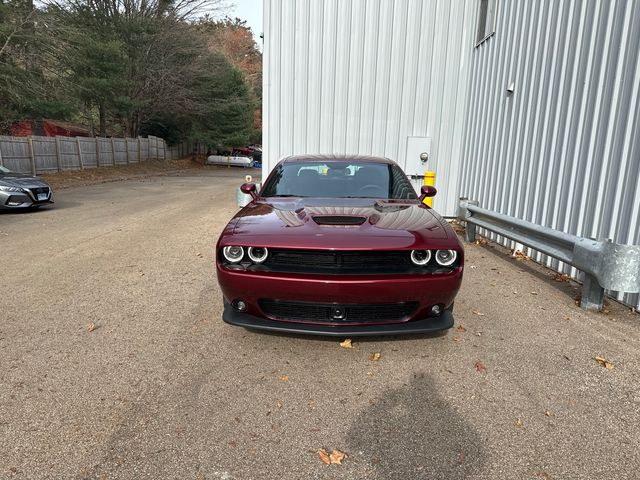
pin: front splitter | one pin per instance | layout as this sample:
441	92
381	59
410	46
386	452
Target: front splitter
427	325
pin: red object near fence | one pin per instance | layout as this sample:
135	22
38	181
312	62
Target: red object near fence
48	128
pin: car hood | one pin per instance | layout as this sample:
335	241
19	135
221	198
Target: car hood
21	180
356	223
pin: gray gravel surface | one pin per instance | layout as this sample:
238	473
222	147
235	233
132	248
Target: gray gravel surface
161	388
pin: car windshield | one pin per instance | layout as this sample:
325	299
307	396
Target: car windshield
338	179
4	169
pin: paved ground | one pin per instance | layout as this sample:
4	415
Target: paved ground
163	389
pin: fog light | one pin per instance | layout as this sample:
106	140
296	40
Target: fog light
436	310
239	305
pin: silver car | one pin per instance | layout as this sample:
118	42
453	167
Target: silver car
19	190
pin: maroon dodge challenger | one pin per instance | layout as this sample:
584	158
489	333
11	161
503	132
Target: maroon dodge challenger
339	245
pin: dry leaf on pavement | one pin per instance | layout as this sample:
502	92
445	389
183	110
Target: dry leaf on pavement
604	362
461	329
283	378
324	456
480	314
519	255
91	327
337	456
375	357
518	423
479	366
346	343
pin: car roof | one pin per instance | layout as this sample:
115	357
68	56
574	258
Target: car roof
336	158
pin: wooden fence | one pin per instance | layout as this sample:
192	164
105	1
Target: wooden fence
37	155
185	149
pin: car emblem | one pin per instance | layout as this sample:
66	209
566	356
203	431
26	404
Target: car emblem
339	314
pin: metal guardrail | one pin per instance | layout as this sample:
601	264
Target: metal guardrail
606	265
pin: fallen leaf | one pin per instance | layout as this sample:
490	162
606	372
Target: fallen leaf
283	378
561	278
460	457
544	476
479	366
337	456
91	327
519	255
604	362
324	456
456	339
279	404
480	314
548	413
518	423
346	343
534	293
375	357
461	329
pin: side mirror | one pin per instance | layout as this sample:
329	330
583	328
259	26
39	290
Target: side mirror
250	189
427	191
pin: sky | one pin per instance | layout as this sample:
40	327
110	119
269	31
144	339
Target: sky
251	11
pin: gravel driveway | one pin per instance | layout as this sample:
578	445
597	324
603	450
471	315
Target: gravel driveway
161	388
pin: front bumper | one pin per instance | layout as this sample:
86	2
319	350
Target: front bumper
426	290
24	199
427	325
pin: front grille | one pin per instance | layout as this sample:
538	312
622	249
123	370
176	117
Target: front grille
377	261
337	314
38	190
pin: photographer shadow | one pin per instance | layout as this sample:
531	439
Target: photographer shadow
411	432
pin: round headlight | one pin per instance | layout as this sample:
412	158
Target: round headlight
258	254
446	257
233	254
420	257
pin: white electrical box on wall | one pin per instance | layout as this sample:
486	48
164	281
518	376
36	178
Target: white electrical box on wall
419	159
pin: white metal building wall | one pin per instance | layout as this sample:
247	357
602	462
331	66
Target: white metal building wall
564	149
360	76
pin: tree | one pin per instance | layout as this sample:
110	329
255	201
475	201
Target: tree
234	39
29	84
225	105
134	66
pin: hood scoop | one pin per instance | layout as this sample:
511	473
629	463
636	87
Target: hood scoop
341	220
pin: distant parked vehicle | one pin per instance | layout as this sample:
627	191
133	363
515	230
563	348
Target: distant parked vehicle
249	156
18	190
230	160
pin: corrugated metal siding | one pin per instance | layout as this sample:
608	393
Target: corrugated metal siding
360	76
564	149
